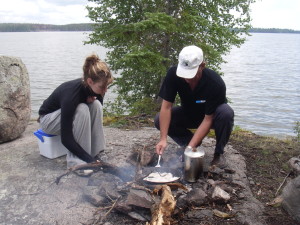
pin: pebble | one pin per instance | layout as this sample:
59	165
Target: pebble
241	196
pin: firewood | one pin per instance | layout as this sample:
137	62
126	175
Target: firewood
136	186
107	167
173	186
162	212
283	182
108	212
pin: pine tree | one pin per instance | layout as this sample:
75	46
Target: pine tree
144	38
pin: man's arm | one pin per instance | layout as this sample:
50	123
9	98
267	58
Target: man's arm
202	131
164	123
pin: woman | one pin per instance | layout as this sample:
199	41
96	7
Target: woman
74	110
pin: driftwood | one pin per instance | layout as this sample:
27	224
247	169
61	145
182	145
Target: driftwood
162	212
108	212
106	167
283	182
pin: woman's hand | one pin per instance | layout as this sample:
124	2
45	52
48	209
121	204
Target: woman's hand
90	99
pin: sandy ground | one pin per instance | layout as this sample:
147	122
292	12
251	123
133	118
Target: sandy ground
28	194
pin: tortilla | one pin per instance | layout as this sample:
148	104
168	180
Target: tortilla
157	177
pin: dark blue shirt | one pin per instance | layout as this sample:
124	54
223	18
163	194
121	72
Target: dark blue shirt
209	93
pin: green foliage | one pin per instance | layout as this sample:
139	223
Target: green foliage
297	130
116	108
145	37
145	106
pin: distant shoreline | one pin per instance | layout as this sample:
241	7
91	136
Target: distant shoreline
273	30
32	27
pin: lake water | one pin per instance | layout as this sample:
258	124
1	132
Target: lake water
263	82
262	76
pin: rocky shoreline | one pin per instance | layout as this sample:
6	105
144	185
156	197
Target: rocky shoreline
28	194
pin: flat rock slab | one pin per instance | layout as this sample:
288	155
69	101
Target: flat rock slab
28	194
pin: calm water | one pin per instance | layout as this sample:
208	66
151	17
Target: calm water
50	57
262	76
263	82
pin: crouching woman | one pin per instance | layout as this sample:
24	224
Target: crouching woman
74	110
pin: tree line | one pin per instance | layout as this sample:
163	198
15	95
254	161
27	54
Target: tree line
273	30
32	27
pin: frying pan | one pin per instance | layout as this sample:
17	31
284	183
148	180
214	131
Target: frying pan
148	170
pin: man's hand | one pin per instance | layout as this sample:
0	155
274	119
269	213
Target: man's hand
90	99
160	147
202	131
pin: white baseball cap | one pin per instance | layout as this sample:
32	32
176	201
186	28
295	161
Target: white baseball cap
189	60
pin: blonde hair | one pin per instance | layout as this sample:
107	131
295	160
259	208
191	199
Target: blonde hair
97	70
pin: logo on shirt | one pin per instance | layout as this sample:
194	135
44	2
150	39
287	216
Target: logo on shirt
200	101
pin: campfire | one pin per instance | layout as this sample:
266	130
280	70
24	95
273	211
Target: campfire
161	195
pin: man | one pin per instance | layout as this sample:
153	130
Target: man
203	105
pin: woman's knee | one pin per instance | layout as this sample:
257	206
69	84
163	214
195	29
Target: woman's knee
82	111
95	106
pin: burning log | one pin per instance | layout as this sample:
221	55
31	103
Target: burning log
162	212
106	167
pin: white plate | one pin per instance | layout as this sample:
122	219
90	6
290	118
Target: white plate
157	177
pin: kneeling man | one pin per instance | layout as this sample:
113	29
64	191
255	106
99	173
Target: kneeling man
203	105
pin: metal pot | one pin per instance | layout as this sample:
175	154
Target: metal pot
193	163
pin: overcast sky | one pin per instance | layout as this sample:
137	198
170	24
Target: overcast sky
265	13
